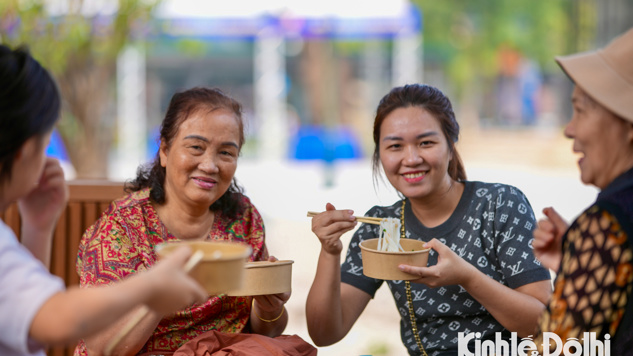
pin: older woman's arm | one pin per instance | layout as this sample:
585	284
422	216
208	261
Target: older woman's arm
548	239
596	233
269	315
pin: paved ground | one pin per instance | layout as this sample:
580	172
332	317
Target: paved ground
539	162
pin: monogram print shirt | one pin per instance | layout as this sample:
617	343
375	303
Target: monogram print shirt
491	228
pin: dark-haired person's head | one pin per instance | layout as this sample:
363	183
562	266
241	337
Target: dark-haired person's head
196	110
432	101
29	105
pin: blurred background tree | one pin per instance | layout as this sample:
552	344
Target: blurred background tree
79	44
476	41
471	50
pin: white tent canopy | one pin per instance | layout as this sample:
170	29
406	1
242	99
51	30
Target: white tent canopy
247	8
297	8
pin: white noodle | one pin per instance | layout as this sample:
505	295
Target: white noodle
389	239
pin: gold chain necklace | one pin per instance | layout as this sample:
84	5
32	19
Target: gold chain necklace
407	285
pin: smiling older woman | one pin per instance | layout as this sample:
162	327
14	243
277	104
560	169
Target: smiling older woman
188	193
593	256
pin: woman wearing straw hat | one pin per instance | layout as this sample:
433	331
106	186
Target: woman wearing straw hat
593	256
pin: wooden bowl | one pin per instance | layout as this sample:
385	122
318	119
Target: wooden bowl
221	269
263	278
384	265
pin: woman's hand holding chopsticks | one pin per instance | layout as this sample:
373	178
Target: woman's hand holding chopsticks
330	225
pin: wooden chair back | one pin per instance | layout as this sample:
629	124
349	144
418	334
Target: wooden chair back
88	200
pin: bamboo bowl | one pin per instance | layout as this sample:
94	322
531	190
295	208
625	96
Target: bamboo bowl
264	278
384	265
221	268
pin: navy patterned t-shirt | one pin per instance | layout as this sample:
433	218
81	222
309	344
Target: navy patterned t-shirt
491	228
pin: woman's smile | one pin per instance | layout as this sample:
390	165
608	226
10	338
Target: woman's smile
414	177
204	182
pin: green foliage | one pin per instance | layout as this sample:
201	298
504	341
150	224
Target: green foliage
80	50
58	40
467	36
349	47
192	47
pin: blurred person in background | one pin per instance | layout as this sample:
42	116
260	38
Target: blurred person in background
593	256
187	193
35	308
482	275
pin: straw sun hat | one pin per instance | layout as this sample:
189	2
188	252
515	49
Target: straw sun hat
606	74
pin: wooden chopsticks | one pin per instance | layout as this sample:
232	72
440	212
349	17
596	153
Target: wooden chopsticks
363	219
144	310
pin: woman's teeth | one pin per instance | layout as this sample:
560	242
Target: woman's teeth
413	175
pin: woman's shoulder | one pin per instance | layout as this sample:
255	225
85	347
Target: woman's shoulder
247	208
245	200
123	210
248	212
492	190
129	202
125	218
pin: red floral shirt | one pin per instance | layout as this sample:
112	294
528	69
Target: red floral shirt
122	242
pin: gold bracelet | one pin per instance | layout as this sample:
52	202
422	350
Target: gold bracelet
267	320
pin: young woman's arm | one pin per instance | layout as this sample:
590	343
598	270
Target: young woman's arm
40	209
517	310
77	313
332	307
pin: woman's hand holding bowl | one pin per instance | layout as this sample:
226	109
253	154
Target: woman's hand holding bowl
270	305
449	270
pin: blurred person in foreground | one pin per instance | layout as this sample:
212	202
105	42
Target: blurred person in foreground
187	193
35	308
593	256
482	275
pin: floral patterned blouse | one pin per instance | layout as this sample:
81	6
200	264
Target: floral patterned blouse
122	242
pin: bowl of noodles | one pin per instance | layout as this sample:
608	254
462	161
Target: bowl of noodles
382	256
221	269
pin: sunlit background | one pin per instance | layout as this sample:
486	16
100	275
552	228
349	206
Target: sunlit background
309	75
